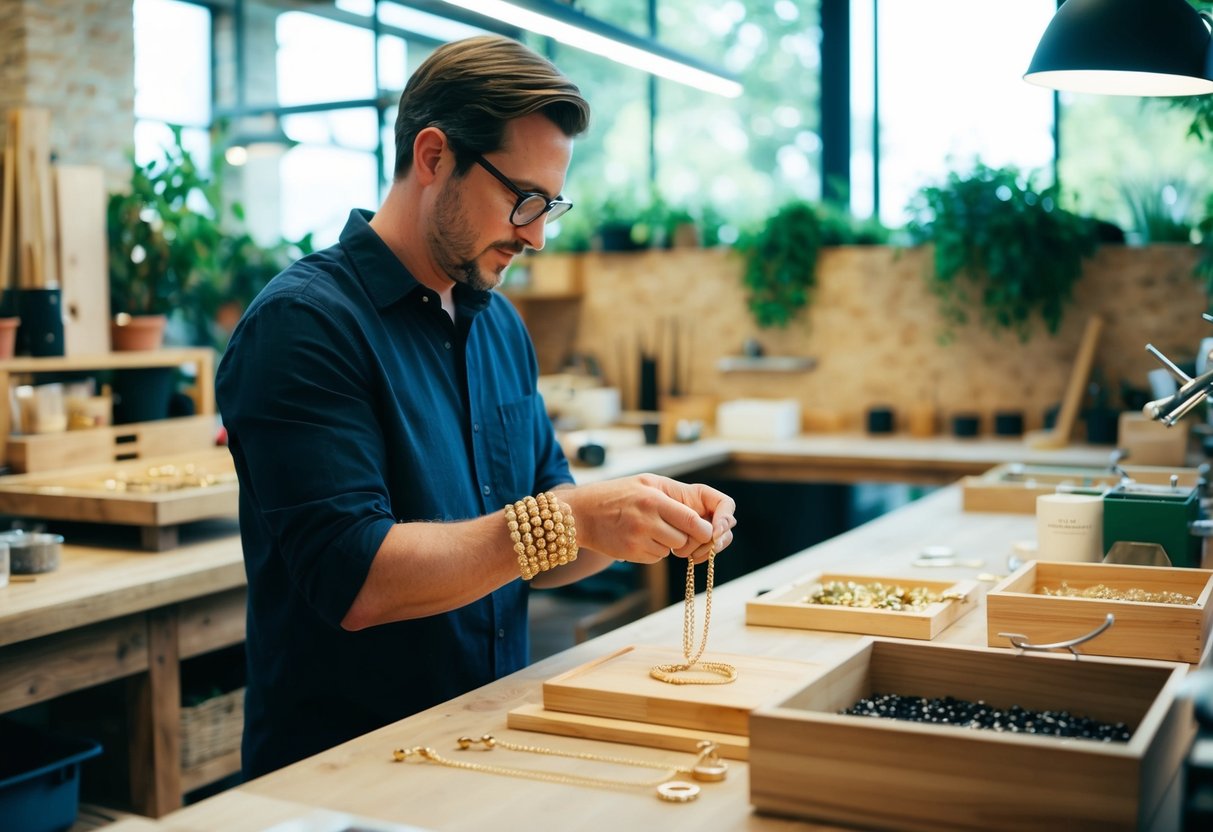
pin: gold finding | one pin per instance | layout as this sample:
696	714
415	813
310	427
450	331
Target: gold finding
708	767
162	478
1107	593
877	596
669	673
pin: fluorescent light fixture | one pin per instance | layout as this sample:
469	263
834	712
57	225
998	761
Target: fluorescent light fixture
1125	47
571	27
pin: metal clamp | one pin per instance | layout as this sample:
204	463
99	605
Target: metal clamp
1021	641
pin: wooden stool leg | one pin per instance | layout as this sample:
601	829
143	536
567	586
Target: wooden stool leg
155	720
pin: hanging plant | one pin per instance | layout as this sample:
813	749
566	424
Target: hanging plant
1002	246
781	263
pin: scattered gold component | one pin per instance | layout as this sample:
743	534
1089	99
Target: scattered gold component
164	478
877	596
1107	593
722	673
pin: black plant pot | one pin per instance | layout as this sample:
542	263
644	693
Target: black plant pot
143	395
41	330
1103	426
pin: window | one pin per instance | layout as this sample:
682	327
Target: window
172	77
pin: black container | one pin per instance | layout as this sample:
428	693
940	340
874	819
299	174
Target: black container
966	425
880	420
143	394
41	330
1008	423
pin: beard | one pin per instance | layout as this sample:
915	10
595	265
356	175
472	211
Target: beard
453	243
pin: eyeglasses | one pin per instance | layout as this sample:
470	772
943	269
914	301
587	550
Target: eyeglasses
530	205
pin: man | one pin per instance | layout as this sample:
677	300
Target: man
381	408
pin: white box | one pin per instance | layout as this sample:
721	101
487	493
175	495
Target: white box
758	419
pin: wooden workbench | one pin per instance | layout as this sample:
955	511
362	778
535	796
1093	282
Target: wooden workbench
111	613
360	778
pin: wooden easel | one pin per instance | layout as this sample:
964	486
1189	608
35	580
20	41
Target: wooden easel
1059	435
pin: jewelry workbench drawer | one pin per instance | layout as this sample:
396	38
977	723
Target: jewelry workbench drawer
809	760
925	608
1170	622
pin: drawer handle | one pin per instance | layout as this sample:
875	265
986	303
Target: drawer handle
1021	641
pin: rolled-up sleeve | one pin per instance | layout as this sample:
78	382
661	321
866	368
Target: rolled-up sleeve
300	414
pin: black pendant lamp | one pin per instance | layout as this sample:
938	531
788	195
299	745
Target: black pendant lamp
1125	47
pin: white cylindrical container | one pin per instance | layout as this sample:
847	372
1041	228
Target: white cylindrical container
1070	527
3	563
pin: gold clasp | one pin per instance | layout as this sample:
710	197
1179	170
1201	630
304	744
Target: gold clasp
402	754
708	766
487	740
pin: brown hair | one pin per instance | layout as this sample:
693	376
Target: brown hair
469	89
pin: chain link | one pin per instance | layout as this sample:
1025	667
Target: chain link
667	672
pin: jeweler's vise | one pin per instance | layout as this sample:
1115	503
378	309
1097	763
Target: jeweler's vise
1192	391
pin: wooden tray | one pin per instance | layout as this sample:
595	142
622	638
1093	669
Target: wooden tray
782	608
538	718
47	452
1013	488
1170	632
79	494
810	761
618	686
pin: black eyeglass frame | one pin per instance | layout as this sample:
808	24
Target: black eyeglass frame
557	207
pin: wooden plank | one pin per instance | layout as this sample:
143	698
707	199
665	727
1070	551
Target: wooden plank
212	622
619	686
155	719
783	607
1059	435
8	219
44	668
168	357
80	214
535	717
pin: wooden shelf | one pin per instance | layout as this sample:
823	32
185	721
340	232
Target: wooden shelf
765	364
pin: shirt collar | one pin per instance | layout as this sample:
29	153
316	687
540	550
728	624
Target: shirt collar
384	276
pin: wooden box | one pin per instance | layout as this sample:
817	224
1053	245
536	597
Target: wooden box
782	608
808	760
1013	488
38	453
618	686
1170	632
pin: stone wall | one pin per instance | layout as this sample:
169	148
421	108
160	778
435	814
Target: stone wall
76	59
873	328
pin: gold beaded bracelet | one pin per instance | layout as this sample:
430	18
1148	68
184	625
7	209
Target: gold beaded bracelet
543	533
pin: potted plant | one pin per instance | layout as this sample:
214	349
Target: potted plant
164	238
1001	244
780	263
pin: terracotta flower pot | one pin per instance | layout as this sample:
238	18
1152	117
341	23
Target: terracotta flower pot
8	336
137	332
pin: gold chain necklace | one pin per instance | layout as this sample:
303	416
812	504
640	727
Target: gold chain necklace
708	767
668	672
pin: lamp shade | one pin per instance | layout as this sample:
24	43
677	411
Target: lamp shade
1125	47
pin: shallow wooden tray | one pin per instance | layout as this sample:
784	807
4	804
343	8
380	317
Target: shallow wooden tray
539	718
808	760
781	607
1170	632
1013	488
79	494
618	686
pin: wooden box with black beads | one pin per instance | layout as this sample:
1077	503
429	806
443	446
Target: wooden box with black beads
1171	622
808	760
786	607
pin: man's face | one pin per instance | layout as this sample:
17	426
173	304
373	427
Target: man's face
471	236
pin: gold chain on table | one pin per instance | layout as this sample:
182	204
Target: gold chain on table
725	673
708	767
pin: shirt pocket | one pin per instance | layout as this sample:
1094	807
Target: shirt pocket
513	452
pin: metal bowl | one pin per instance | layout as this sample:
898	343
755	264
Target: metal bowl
32	553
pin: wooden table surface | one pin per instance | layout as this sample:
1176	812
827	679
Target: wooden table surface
361	779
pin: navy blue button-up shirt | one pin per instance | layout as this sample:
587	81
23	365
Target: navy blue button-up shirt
353	402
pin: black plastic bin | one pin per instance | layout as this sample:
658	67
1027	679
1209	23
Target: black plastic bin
40	778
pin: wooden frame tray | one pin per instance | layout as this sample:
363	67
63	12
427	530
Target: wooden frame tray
808	760
1170	632
1013	488
781	607
618	686
79	494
